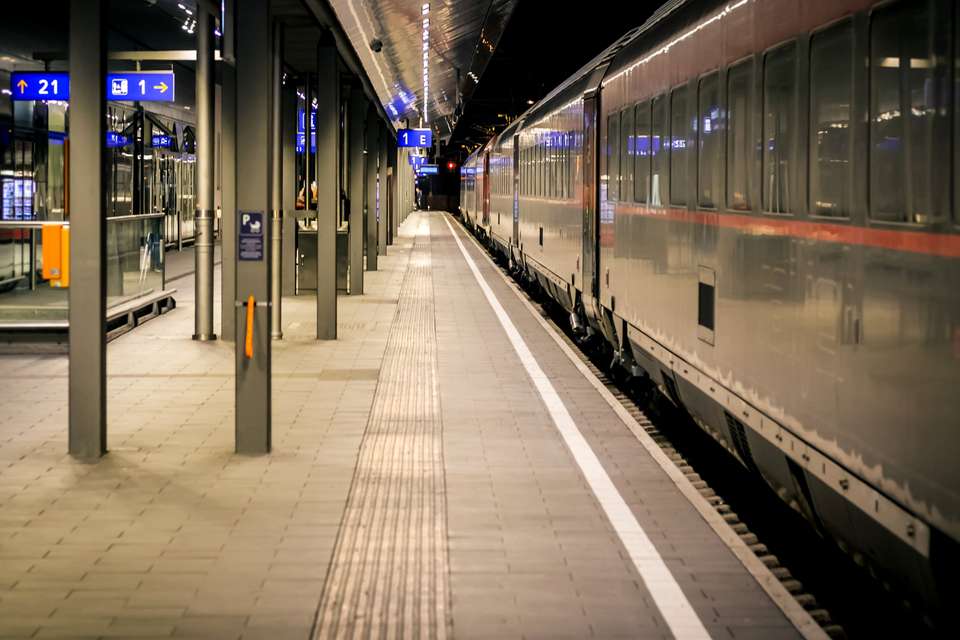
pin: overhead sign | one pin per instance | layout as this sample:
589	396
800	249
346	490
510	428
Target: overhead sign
161	141
148	86
428	170
39	86
422	138
416	161
115	140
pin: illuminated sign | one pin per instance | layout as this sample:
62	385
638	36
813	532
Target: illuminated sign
161	141
428	170
416	161
115	140
420	138
40	86
152	86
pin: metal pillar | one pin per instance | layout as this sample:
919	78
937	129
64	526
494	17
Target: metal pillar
356	124
276	185
206	177
328	189
88	222
383	222
288	198
391	187
370	212
228	201
253	344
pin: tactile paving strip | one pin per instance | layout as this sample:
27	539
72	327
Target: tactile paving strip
388	577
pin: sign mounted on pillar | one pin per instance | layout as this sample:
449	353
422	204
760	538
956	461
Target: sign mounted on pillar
250	245
419	138
39	86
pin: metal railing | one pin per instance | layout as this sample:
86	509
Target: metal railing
135	267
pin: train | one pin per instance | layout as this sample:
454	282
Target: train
754	204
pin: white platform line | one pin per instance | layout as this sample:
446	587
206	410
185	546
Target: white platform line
667	594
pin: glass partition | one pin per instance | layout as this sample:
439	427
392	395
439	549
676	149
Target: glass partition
135	268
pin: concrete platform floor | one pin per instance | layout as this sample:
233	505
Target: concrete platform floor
418	486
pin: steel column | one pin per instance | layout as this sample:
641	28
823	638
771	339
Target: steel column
228	201
88	221
253	383
206	177
276	187
391	187
370	212
356	123
383	222
328	189
289	186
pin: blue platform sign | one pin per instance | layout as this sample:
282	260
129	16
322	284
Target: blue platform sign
416	161
428	170
251	236
115	140
149	86
159	141
39	86
421	138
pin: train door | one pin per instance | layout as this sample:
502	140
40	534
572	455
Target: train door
590	198
486	190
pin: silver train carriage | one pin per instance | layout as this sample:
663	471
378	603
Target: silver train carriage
770	230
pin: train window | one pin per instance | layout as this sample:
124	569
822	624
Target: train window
739	148
831	108
613	157
641	150
679	141
909	103
658	152
710	148
626	154
779	127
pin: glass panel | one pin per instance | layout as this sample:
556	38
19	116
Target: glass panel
626	154
831	99
659	141
739	147
641	147
613	157
679	141
909	180
779	125
709	129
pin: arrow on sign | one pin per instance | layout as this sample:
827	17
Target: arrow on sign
162	87
22	85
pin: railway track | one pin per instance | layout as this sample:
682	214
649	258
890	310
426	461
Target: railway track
844	598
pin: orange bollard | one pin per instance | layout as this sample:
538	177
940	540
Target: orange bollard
248	343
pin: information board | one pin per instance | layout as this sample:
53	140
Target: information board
250	245
418	138
428	170
148	86
39	86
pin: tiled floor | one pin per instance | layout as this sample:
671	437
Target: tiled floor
466	506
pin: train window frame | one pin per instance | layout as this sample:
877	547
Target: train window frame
662	156
678	190
907	218
627	131
792	45
613	181
720	147
811	143
748	66
642	178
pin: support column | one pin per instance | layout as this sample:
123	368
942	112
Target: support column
370	213
276	185
206	175
356	123
391	187
328	188
253	366
289	195
383	199
88	222
228	200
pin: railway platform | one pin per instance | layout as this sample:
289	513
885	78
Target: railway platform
447	468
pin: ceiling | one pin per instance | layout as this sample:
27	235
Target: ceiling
463	34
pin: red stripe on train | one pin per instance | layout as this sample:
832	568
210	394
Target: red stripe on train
944	245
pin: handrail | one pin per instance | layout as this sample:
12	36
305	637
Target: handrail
39	224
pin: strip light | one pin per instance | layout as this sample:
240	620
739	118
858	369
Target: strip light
425	12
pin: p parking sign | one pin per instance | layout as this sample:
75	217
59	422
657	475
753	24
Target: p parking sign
251	236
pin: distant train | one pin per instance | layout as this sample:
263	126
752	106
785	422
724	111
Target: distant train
755	204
